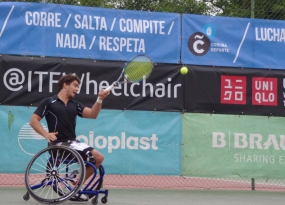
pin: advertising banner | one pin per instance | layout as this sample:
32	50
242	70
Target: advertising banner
233	42
133	142
235	91
37	29
233	146
26	81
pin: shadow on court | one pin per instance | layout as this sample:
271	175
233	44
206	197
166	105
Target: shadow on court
14	196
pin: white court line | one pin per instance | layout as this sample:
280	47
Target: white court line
244	35
7	18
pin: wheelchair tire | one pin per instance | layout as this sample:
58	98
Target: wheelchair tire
48	176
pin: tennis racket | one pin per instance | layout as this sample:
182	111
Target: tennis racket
137	69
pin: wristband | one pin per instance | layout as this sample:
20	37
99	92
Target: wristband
99	101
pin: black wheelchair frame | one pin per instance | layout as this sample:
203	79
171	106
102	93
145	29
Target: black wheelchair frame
56	174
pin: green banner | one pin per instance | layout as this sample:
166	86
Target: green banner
233	146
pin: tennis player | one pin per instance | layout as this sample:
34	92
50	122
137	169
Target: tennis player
61	112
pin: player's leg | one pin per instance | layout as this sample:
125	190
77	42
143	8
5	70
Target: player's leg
99	158
88	154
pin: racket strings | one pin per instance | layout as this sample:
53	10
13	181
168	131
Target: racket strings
138	68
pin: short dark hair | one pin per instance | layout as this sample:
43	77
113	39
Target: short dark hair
68	78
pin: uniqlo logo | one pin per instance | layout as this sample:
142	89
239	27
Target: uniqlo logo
233	89
264	91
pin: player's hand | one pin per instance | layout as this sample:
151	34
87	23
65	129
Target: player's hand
103	94
51	136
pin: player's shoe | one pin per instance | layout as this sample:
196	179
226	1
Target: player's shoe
78	197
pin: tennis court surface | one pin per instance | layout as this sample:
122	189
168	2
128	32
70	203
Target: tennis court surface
14	196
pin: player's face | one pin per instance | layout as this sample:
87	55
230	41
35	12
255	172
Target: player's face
72	89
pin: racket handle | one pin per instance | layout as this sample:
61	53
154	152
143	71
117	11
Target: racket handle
110	87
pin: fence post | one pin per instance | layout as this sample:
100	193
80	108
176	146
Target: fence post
252	9
252	184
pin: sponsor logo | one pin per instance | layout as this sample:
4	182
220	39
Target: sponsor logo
120	142
264	90
248	141
29	139
199	44
233	89
254	142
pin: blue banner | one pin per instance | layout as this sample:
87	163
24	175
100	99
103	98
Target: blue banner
233	42
133	142
88	32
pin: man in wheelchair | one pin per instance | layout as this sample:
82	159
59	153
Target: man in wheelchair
60	112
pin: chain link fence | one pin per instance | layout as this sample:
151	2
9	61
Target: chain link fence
168	182
262	9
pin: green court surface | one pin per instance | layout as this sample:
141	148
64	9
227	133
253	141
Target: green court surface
14	196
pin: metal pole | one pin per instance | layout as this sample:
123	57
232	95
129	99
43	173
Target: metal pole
252	184
252	9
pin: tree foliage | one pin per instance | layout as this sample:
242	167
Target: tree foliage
176	6
250	8
234	8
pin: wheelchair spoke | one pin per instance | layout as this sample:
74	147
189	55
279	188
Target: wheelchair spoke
38	181
67	165
47	158
40	170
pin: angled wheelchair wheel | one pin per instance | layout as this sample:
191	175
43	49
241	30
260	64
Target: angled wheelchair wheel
54	174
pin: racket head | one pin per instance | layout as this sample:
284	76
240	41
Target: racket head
138	68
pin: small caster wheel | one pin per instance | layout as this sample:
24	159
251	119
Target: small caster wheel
95	200
104	200
26	197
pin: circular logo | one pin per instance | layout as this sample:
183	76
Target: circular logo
199	44
29	141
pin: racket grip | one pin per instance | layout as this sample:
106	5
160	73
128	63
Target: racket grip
110	87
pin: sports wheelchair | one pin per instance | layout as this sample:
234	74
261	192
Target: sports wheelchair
56	174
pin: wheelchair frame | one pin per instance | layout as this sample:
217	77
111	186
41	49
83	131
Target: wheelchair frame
57	178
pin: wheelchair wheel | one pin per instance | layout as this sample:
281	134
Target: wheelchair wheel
54	175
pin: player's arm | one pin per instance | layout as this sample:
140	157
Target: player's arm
37	126
36	117
94	111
